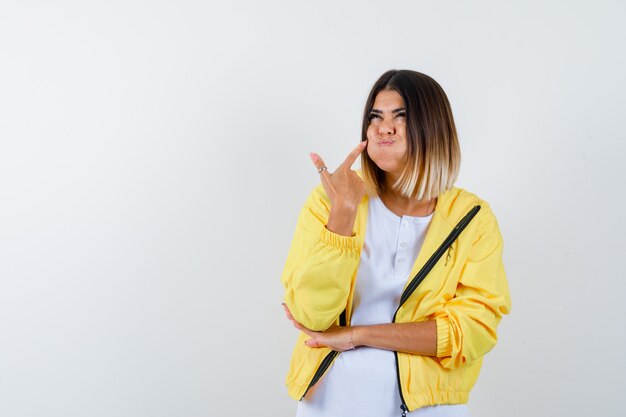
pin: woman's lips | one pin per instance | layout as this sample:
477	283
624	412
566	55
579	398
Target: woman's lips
386	142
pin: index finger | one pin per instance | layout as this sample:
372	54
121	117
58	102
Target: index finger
353	155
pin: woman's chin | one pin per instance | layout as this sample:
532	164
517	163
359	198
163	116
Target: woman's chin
388	168
387	161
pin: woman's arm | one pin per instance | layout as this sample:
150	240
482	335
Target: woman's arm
418	338
467	323
319	267
325	252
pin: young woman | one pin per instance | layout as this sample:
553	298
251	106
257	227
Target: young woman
394	276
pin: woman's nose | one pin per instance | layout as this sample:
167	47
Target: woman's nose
386	128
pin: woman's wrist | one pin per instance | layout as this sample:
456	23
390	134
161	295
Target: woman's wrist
356	337
341	220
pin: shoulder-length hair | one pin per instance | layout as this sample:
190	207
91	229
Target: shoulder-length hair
433	154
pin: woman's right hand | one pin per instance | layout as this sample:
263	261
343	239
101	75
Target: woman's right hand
344	188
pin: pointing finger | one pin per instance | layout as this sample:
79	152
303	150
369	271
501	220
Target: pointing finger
354	154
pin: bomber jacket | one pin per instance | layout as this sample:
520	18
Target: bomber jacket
466	293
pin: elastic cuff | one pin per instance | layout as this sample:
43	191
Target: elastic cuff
339	241
444	346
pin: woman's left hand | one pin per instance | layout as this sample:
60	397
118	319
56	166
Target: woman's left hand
336	338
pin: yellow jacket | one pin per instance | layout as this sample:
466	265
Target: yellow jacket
466	293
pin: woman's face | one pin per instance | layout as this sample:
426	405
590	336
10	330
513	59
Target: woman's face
386	133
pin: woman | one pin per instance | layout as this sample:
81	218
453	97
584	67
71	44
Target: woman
394	276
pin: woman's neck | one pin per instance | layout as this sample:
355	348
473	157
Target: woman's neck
403	206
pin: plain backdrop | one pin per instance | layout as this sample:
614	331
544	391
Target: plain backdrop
154	157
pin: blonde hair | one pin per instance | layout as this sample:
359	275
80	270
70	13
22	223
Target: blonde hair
433	157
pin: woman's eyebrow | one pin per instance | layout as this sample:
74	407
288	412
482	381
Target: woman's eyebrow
399	109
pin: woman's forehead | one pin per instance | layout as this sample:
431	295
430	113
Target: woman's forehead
387	99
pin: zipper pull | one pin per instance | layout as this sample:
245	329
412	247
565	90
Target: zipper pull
404	409
448	256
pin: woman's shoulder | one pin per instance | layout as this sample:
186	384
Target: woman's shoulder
457	202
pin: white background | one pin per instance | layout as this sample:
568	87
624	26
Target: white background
154	157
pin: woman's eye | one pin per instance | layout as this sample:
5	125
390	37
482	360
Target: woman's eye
401	114
373	116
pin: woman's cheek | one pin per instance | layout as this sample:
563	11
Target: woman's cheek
371	151
371	132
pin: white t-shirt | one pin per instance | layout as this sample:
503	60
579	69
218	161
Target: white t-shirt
363	382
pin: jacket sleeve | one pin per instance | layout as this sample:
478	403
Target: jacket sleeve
466	326
320	266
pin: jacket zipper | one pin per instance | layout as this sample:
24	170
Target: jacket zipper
328	359
430	263
403	406
320	371
434	258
